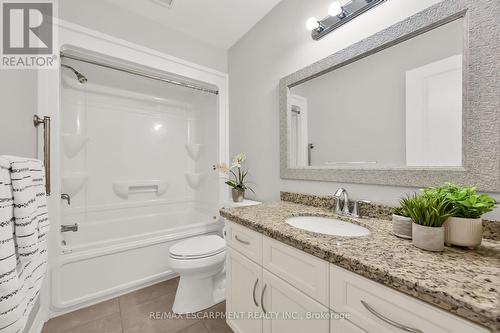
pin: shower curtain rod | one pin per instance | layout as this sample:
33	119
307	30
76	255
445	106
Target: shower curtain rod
138	73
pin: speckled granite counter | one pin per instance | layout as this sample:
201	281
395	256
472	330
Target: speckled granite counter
463	282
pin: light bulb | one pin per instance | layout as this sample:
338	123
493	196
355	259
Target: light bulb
312	23
335	9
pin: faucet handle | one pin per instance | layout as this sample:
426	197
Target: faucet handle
65	196
355	210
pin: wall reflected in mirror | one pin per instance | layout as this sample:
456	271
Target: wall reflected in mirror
397	108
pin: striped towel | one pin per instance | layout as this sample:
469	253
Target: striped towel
24	225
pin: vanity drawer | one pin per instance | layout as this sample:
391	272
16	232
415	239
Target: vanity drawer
344	326
302	270
244	240
372	305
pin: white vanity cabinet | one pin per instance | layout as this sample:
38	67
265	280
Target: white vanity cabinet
243	290
265	276
252	289
376	308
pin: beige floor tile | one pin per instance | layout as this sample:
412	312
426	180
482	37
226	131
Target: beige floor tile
110	324
131	314
196	328
217	326
160	326
83	316
149	293
137	318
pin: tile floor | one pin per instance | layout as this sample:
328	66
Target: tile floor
130	313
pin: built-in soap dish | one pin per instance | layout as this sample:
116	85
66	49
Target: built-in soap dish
124	189
73	144
193	179
193	150
72	184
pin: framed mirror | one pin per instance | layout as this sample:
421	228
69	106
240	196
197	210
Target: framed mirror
416	104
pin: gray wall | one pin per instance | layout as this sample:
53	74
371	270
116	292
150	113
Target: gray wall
105	17
18	103
277	46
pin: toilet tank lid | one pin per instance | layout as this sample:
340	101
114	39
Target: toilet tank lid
198	246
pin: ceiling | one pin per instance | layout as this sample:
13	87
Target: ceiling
220	23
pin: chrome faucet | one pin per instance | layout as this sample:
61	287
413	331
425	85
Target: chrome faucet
342	204
342	197
355	210
66	197
69	227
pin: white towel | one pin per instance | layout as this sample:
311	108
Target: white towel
24	225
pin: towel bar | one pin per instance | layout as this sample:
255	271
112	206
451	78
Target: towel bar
45	121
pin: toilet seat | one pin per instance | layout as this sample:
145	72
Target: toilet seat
198	248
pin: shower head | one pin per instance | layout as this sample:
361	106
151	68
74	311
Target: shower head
81	78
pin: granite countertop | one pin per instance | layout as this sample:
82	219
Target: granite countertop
463	282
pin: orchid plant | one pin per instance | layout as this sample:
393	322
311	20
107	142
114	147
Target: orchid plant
235	175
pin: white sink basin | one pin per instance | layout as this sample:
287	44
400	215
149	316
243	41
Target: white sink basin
327	226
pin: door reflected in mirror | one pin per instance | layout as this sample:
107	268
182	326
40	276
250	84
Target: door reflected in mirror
397	108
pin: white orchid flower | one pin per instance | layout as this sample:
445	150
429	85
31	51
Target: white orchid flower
238	160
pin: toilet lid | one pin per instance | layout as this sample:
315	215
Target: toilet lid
198	247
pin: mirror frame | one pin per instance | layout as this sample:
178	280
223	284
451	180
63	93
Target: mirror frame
481	100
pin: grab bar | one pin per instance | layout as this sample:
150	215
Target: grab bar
46	147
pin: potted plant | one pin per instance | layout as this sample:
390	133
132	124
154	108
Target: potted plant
428	214
465	226
401	221
235	177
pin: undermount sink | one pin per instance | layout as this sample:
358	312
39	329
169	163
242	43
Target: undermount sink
327	226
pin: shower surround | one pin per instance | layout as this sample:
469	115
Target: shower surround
135	157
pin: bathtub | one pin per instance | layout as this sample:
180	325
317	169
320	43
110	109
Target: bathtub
95	262
129	230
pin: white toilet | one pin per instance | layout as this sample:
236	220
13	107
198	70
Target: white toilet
200	264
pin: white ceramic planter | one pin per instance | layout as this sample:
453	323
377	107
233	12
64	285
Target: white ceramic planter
401	226
463	231
428	238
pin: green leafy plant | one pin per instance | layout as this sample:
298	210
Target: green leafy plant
463	200
427	210
236	175
402	210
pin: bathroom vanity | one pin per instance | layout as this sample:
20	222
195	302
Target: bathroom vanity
373	283
373	113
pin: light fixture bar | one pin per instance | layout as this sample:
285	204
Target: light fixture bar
349	12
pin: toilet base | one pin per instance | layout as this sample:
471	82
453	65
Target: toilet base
195	294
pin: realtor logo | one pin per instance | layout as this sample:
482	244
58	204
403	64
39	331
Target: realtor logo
27	34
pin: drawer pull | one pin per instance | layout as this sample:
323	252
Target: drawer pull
390	322
241	241
253	293
262	299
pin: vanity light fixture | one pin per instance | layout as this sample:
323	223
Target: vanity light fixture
339	13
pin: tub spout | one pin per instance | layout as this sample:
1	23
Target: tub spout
69	227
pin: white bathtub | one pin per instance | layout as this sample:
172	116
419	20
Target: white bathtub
106	258
122	230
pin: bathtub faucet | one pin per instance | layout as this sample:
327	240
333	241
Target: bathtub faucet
66	197
69	227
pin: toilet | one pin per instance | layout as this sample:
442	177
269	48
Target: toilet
200	264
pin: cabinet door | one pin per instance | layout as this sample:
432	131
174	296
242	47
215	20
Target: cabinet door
289	310
344	326
243	286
